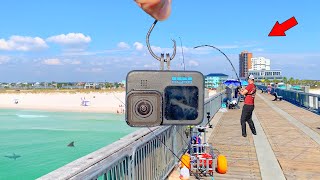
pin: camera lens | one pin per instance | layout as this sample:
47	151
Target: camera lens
144	108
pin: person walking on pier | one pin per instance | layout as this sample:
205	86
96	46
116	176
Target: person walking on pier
248	107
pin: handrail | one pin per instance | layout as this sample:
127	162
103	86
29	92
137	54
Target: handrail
300	98
139	155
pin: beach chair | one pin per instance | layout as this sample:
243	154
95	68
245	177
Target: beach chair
84	102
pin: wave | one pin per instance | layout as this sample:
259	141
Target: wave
31	116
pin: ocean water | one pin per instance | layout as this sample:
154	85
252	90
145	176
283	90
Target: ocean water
41	139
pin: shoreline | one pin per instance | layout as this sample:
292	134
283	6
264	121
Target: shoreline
97	102
71	110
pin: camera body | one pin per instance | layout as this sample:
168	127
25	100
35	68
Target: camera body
156	98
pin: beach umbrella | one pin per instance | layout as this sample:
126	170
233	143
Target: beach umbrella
232	83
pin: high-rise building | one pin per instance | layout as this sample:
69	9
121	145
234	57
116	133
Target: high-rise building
244	63
260	63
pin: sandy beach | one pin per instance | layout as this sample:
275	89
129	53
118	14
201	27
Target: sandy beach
314	91
107	102
104	102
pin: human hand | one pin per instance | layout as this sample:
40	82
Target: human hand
158	9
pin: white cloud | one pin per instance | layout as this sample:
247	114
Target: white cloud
4	59
258	50
193	63
70	39
208	50
187	50
138	46
157	49
97	63
96	70
53	61
22	43
228	47
195	51
152	66
75	62
89	70
123	45
71	61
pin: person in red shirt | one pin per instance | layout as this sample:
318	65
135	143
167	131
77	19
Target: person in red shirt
248	107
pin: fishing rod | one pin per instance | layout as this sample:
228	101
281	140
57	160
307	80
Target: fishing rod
184	65
229	62
224	56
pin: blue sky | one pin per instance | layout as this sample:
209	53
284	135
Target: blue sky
103	40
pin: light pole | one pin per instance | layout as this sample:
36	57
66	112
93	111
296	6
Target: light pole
223	54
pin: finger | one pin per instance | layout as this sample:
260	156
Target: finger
147	1
158	9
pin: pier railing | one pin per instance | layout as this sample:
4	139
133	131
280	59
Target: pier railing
142	155
300	98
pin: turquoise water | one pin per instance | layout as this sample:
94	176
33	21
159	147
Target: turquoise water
41	139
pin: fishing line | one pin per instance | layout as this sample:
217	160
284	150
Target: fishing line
172	151
162	141
118	98
176	131
184	65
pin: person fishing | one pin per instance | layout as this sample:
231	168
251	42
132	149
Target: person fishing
248	107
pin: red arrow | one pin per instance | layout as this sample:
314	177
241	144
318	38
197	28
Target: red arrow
280	29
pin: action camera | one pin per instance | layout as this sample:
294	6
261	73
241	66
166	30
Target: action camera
156	98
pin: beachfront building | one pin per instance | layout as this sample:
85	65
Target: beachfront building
213	80
90	86
260	63
261	69
244	63
4	85
72	85
94	85
266	74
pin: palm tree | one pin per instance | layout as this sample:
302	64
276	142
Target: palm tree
109	85
267	81
275	81
285	80
291	81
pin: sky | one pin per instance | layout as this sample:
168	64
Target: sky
103	40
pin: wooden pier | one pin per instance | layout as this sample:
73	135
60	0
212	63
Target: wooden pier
287	145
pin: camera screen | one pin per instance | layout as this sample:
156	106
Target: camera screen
181	102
